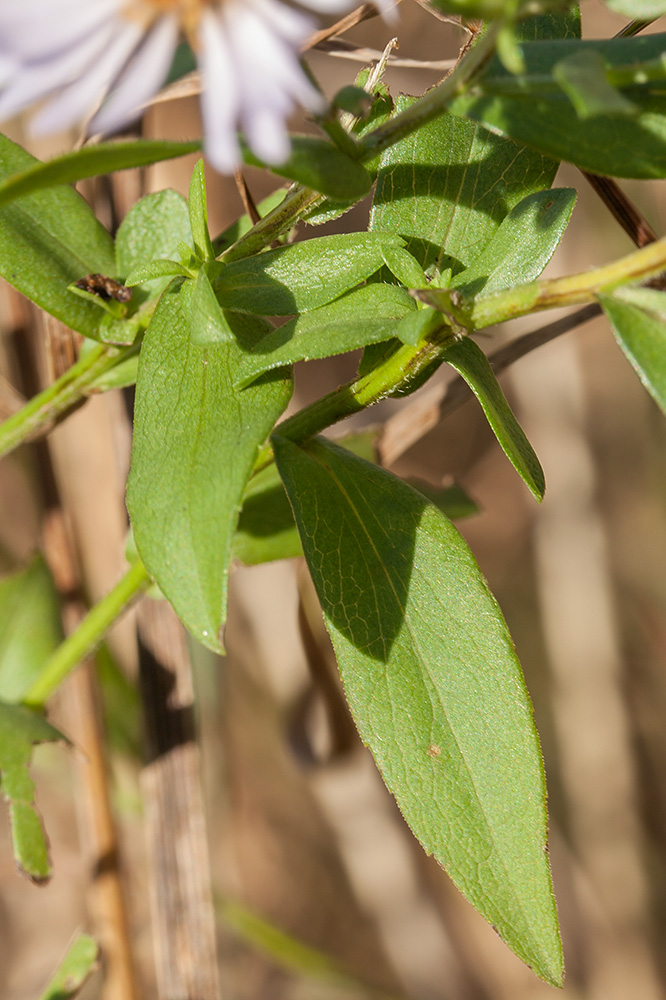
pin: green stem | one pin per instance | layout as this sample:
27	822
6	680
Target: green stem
58	398
88	635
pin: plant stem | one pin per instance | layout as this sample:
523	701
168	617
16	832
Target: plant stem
58	398
88	635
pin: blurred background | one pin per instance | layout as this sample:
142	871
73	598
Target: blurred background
321	891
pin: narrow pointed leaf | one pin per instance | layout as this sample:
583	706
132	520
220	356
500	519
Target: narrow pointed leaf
640	330
208	324
302	276
522	245
471	363
199	214
367	315
76	967
104	158
195	442
20	729
156	269
30	627
433	683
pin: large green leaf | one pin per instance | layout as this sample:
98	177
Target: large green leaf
368	315
195	442
534	109
30	627
49	240
78	964
522	246
471	363
20	729
433	683
151	230
89	161
302	276
639	324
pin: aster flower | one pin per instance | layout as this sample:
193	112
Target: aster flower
114	55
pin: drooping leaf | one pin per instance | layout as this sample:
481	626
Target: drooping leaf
471	363
49	240
321	166
302	276
199	214
433	683
152	231
368	315
20	730
195	442
532	108
30	627
90	161
640	330
522	245
78	964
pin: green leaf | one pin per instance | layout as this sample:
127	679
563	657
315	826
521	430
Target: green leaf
433	683
150	232
122	374
451	500
301	276
30	627
582	77
447	188
367	315
199	214
104	158
522	245
418	325
532	108
321	166
404	267
48	241
244	224
640	330
195	442
208	324
78	964
638	8
471	363
20	729
156	269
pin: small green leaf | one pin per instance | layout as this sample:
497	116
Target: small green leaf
151	232
367	315
321	166
30	627
302	276
471	363
406	268
433	683
104	158
195	442
20	729
582	77
156	269
208	324
78	964
640	330
523	244
199	214
50	240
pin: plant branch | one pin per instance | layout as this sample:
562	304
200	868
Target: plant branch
88	635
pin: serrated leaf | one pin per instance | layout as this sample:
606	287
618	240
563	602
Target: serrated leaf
640	330
523	244
302	276
532	108
48	241
103	158
365	316
199	214
471	363
30	627
433	683
195	442
321	166
78	964
151	232
20	730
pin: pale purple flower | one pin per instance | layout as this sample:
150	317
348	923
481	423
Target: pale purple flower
77	56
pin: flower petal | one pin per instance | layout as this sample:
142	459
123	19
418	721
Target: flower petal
219	99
